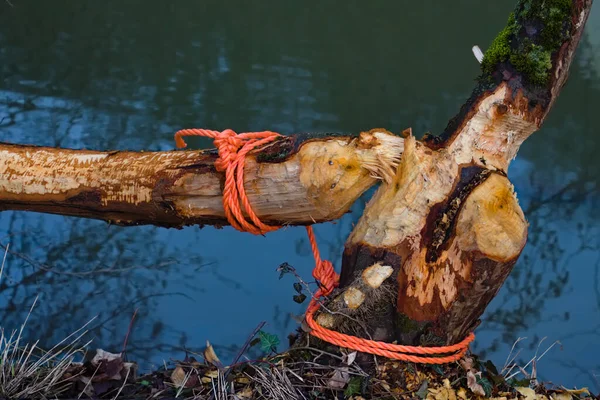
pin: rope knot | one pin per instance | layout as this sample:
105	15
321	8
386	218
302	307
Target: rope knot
327	277
233	149
228	143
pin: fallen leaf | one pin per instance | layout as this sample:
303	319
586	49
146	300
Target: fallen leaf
530	394
422	392
473	385
348	359
354	386
178	376
578	391
113	368
245	393
339	379
243	380
110	366
211	357
462	393
467	363
561	396
444	393
102	355
213	374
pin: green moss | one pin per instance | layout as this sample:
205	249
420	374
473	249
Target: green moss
554	14
406	325
533	63
499	51
532	34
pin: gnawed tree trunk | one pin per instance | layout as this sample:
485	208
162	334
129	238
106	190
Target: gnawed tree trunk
449	223
443	230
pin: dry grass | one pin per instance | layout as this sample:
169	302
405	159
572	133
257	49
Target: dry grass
27	371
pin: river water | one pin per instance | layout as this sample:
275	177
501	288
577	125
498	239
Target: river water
126	75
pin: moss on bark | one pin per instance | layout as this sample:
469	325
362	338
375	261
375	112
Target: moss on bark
533	33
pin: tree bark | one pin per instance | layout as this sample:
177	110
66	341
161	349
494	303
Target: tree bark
449	223
298	180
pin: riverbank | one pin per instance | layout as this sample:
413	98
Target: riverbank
301	373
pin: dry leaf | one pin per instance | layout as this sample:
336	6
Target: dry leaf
243	380
473	385
561	396
245	393
530	394
211	357
102	355
110	366
348	359
213	374
462	393
578	392
339	379
178	376
467	363
443	393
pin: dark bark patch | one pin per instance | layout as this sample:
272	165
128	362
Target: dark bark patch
87	197
359	256
442	217
285	147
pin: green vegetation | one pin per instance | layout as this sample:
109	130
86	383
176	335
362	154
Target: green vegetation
534	31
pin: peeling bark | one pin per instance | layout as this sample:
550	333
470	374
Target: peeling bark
295	181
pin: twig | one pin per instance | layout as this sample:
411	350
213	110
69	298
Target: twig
241	353
89	382
128	332
246	345
124	383
4	260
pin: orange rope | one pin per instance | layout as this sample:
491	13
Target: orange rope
233	149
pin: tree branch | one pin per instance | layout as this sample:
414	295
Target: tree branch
297	180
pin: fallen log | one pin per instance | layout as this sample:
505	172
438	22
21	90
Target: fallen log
297	180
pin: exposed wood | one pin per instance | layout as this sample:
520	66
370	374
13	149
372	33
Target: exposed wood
358	307
449	222
297	180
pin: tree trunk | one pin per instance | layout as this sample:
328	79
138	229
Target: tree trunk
449	223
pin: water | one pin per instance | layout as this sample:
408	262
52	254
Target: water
126	75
